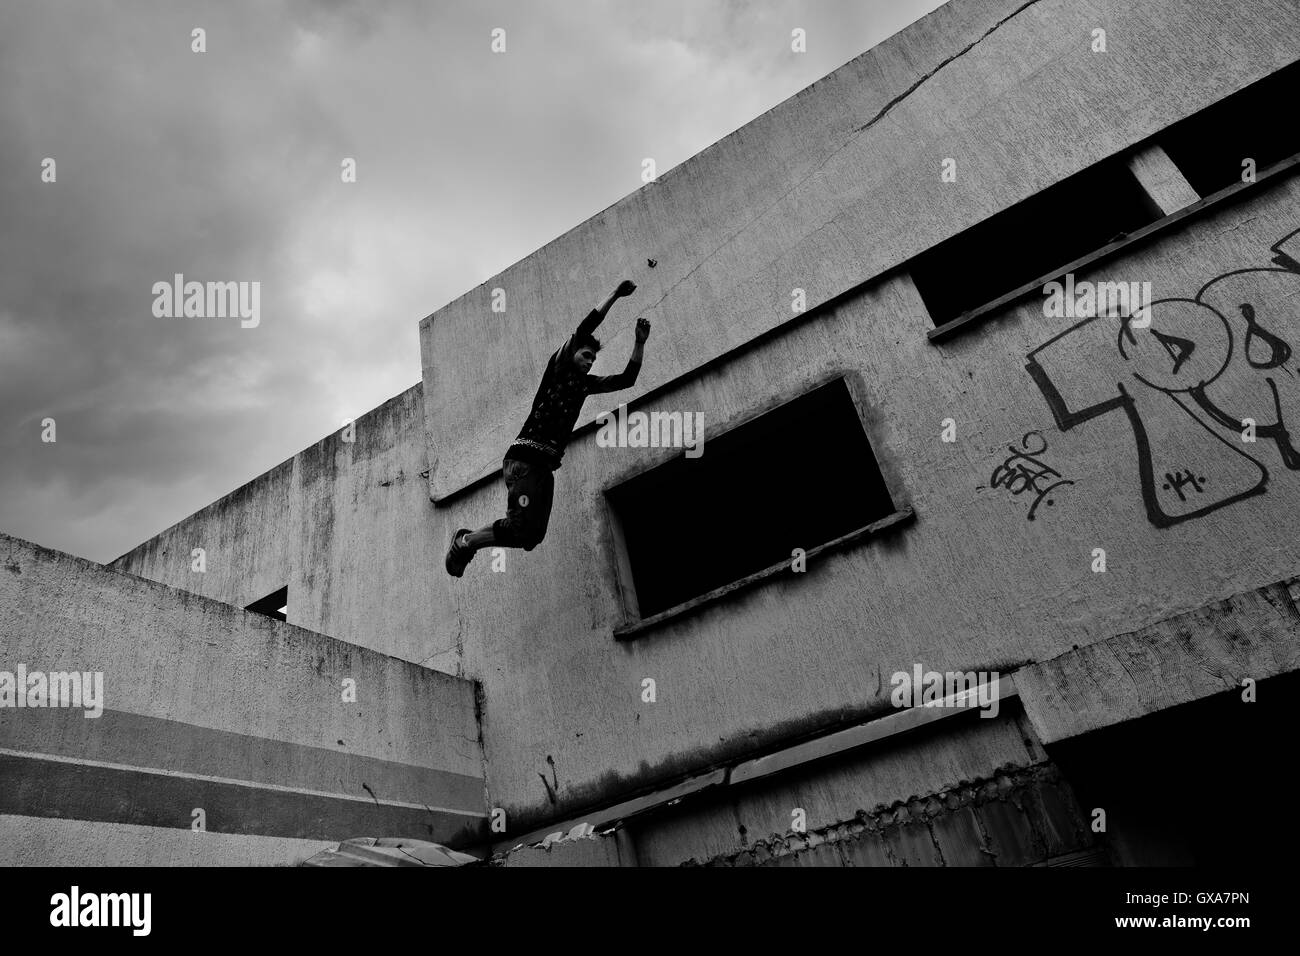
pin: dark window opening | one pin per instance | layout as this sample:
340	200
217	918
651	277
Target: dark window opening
1026	242
1258	122
275	604
798	476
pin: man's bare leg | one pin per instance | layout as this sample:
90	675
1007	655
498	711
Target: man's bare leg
482	538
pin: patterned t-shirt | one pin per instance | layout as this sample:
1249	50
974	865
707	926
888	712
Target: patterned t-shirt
559	399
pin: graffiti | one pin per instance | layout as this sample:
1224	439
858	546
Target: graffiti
1190	378
1181	479
1024	471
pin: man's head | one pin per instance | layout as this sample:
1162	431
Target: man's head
584	353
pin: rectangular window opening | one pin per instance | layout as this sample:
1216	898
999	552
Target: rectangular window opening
1257	123
275	604
1027	241
798	476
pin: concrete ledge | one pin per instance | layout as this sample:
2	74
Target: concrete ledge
208	719
1210	650
50	841
888	726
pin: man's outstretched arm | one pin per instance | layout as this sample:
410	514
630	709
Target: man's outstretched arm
627	377
597	315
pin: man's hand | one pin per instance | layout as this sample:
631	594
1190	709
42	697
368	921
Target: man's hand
625	288
642	331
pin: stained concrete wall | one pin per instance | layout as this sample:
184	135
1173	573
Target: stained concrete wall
868	782
986	791
207	707
971	585
345	524
246	540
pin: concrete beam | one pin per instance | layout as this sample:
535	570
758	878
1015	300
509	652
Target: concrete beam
1163	181
1210	650
870	732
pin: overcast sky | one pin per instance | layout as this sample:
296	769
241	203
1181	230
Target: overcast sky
225	165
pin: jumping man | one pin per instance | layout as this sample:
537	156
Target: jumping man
531	460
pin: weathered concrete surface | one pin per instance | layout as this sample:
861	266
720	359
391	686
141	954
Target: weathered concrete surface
971	585
1254	635
48	841
835	792
210	708
871	809
1013	818
1162	180
835	186
346	525
246	538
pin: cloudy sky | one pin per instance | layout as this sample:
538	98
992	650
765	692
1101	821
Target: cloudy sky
225	165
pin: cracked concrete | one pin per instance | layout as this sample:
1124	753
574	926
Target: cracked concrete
885	110
831	223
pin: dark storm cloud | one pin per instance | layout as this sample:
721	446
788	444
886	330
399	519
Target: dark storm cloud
225	166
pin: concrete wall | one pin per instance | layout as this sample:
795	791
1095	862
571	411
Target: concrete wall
971	585
835	186
346	525
956	790
208	707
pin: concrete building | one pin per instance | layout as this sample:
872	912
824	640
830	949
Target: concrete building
920	457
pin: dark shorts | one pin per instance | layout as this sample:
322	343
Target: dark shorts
530	489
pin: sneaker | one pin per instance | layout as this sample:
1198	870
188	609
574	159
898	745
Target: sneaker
458	555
